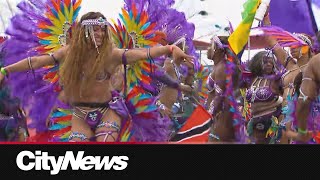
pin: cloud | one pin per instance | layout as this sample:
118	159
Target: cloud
110	9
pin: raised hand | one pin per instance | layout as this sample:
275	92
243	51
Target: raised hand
177	53
185	88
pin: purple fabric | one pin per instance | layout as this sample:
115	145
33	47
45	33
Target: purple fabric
175	25
183	70
27	86
316	2
313	122
261	94
159	77
293	16
148	126
62	105
9	109
210	83
153	7
276	31
169	20
146	129
155	130
118	105
164	78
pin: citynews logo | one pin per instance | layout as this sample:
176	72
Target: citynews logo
42	161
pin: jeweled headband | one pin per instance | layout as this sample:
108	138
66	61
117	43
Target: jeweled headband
89	23
95	22
304	38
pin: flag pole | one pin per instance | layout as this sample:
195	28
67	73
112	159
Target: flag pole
249	46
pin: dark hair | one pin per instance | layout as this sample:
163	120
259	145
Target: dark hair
224	41
255	64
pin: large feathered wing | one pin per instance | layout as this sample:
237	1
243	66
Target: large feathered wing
40	27
132	30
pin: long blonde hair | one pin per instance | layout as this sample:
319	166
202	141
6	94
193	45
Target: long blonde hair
72	69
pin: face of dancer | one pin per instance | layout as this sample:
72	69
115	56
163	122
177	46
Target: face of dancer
295	51
267	65
99	33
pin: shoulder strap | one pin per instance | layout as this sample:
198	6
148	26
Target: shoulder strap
124	62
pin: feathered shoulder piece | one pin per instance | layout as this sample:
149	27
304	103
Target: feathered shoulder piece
202	76
40	27
54	30
284	38
135	30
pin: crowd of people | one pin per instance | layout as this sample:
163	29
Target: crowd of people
136	80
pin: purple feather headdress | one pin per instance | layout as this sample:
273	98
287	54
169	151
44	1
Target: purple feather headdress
179	31
316	2
36	95
153	7
170	21
22	40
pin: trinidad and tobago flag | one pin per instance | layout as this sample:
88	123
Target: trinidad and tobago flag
196	129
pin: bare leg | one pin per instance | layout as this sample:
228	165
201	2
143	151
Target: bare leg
223	129
80	130
108	130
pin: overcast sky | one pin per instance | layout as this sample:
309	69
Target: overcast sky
218	11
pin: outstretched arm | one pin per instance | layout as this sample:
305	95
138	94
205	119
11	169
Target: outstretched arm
32	63
308	93
134	55
280	53
282	56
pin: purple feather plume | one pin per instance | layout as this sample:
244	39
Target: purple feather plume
21	44
316	2
176	26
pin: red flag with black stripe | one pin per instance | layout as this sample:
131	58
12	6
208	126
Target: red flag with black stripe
196	129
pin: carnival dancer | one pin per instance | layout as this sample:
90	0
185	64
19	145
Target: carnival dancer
88	89
308	94
155	78
264	95
179	32
222	128
294	63
41	88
